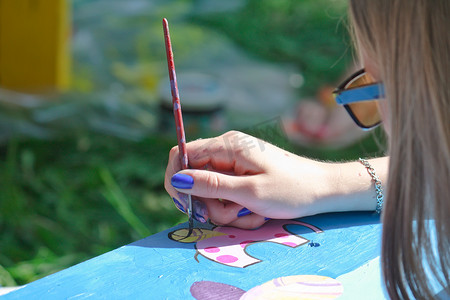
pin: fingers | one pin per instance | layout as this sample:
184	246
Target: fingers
227	213
214	185
232	158
251	221
211	187
199	209
173	166
233	152
222	212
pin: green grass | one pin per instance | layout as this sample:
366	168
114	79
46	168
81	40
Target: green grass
66	200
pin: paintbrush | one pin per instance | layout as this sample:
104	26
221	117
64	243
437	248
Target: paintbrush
178	115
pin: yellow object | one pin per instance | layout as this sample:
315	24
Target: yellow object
34	45
197	235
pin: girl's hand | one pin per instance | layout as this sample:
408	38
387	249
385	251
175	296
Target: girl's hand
238	180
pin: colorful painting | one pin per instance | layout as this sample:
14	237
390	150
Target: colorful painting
301	287
335	253
227	245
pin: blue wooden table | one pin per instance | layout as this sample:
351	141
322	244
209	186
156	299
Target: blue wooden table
318	257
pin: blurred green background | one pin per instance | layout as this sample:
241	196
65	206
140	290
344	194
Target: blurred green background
82	173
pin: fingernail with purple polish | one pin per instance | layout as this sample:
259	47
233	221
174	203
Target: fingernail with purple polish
267	219
182	181
200	211
199	218
178	205
243	212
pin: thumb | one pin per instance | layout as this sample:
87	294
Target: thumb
209	184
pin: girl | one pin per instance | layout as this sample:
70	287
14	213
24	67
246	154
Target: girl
404	47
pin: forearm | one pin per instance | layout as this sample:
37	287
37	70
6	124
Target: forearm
351	187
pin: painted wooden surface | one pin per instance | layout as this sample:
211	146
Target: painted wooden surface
328	255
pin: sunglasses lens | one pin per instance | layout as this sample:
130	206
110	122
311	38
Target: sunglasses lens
360	80
365	112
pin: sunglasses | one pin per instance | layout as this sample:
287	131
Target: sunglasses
359	95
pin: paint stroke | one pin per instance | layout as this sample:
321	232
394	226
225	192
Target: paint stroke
209	290
198	234
229	248
311	287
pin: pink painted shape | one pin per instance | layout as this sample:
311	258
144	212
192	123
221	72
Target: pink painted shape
227	259
290	244
272	231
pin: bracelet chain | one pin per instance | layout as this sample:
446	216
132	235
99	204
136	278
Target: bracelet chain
377	183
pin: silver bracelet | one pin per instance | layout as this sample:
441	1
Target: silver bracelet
377	182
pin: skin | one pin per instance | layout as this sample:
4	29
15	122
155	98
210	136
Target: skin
269	181
235	170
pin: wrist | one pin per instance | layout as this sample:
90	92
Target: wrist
352	186
323	186
333	191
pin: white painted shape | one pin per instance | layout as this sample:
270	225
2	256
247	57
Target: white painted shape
364	283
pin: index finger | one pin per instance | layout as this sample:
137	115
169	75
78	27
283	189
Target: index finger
231	152
173	166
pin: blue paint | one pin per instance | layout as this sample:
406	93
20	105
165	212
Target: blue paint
167	269
312	244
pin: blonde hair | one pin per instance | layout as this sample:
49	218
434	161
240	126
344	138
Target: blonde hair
408	40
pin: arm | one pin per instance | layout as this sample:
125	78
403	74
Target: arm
353	188
235	170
